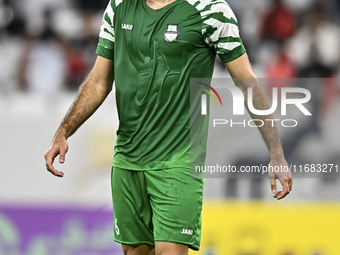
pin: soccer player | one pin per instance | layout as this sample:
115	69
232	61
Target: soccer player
151	48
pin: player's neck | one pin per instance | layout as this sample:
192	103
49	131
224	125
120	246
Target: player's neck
158	4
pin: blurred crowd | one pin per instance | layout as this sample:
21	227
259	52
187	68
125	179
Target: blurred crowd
49	45
291	38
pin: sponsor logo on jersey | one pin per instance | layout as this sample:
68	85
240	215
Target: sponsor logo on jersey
116	227
127	26
171	33
187	231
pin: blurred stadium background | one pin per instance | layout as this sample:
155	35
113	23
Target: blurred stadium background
47	48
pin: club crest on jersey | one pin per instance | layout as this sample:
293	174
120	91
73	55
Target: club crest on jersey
171	33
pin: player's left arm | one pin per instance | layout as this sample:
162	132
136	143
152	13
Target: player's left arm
241	71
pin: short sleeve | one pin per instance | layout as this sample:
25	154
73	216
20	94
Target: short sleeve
221	32
106	42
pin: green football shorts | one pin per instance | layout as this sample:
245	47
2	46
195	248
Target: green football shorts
158	205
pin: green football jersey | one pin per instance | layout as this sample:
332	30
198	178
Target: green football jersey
155	54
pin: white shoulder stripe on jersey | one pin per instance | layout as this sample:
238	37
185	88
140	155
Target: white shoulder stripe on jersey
192	2
220	7
205	3
223	29
201	6
118	2
108	27
109	12
229	45
106	36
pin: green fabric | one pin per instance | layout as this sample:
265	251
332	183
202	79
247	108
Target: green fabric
163	205
155	53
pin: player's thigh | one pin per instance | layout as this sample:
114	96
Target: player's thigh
131	208
165	248
176	200
142	249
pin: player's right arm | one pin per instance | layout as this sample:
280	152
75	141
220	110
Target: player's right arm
90	96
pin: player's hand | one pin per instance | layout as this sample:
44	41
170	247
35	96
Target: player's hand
59	147
278	169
